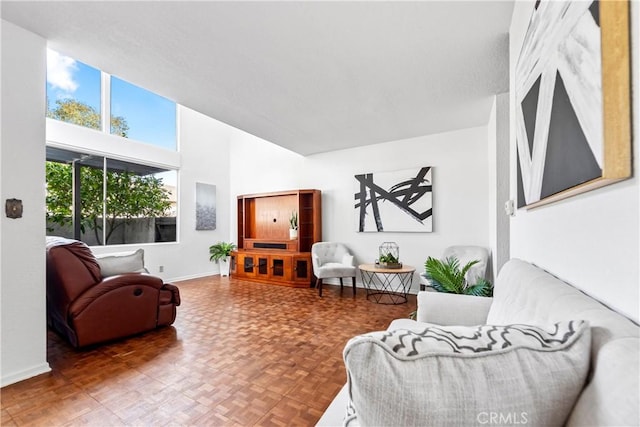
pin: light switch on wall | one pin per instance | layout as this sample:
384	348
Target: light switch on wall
509	207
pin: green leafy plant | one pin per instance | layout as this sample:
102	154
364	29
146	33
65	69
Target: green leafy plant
221	250
388	258
293	220
446	276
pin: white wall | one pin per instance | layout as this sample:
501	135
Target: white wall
22	256
590	240
460	174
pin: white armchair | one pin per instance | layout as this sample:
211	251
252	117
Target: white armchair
332	260
465	254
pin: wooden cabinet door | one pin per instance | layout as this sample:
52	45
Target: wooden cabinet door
261	267
302	269
246	265
233	267
280	267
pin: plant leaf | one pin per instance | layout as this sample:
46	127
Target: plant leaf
446	276
482	288
468	266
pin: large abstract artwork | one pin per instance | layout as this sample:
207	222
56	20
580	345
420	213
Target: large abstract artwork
572	100
205	206
395	201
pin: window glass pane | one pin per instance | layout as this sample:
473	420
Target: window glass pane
73	91
81	220
91	169
59	199
144	116
141	203
140	200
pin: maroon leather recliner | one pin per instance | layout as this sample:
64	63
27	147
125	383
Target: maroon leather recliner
87	309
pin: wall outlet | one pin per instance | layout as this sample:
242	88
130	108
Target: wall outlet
161	269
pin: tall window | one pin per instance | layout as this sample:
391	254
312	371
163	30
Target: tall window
100	198
104	201
74	96
73	91
150	117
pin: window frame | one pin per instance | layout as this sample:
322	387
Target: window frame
104	159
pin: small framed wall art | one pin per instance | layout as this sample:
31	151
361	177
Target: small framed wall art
205	206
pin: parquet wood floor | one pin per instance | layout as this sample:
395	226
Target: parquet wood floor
239	354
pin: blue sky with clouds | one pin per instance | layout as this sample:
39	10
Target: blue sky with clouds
151	118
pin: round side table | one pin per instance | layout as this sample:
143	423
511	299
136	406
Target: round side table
387	285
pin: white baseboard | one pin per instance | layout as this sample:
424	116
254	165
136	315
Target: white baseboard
24	374
189	277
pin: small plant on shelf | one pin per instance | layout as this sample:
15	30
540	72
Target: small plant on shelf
293	220
446	276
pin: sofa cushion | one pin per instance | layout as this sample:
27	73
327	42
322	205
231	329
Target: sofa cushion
460	375
524	293
113	264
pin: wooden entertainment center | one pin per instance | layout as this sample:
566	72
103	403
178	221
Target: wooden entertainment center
266	253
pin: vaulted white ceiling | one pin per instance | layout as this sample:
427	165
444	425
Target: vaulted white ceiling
309	76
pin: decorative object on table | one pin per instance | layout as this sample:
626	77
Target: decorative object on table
293	225
394	201
572	108
446	276
205	206
221	252
389	256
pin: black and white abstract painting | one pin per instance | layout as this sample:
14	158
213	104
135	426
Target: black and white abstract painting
558	108
399	201
205	206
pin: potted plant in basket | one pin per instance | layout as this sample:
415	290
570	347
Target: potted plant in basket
220	252
293	225
446	276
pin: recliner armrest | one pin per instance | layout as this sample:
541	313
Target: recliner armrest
174	291
111	283
451	309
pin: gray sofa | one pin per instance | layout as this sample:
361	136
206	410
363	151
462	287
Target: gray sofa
525	294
